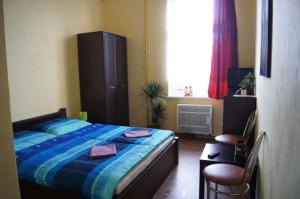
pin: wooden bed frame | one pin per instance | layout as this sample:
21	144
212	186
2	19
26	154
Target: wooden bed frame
143	186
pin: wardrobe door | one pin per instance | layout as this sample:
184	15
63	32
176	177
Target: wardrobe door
121	63
91	74
110	77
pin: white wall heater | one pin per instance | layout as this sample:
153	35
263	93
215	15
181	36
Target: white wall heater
196	119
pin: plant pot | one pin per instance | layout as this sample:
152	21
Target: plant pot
244	92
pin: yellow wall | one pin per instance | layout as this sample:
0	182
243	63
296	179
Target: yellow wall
278	104
155	49
245	17
127	17
9	182
42	53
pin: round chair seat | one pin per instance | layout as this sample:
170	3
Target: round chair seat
229	138
224	174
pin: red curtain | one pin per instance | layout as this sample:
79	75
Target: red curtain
224	52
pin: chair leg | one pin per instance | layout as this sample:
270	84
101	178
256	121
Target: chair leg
207	189
216	191
243	193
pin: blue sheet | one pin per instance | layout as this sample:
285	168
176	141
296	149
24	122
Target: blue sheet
63	162
115	133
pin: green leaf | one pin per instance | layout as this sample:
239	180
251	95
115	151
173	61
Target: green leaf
154	90
248	82
158	113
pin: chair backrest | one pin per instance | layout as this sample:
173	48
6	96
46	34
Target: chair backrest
252	158
249	126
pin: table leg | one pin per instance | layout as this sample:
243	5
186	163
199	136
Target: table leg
201	182
253	183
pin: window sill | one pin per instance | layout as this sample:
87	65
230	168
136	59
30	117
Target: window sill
191	97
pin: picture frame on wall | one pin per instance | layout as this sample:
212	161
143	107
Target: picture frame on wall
266	38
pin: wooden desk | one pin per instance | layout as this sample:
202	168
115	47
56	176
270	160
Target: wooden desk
226	156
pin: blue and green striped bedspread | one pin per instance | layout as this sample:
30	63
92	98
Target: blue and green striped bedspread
60	126
102	132
116	134
63	162
27	139
58	158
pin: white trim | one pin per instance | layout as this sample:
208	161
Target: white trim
190	97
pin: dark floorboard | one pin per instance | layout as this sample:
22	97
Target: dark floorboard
183	181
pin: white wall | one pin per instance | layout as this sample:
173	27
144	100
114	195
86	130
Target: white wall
278	104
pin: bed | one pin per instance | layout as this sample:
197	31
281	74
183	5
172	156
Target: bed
151	158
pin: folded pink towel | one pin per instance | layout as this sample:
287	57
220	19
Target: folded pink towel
135	134
103	151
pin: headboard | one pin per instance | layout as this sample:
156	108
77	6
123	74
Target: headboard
27	123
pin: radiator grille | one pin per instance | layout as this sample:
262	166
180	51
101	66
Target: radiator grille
194	119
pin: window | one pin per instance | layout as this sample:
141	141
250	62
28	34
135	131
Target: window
189	46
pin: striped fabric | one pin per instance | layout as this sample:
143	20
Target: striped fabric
60	126
25	139
158	136
59	158
116	134
63	162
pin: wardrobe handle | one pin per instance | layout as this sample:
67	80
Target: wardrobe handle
112	87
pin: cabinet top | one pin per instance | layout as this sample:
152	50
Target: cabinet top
244	96
100	32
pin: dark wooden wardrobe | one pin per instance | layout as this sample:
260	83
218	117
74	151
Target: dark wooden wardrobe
103	77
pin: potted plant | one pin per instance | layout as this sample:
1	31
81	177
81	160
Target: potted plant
247	84
155	93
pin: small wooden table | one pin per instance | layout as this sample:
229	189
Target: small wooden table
226	156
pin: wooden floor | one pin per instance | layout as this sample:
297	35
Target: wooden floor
183	181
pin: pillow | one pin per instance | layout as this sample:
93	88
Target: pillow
25	139
61	126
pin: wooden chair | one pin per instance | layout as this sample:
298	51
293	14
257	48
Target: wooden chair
232	175
233	139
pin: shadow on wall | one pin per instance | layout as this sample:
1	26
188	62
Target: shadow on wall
72	76
264	168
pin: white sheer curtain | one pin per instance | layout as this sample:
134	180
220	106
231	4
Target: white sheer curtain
189	45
